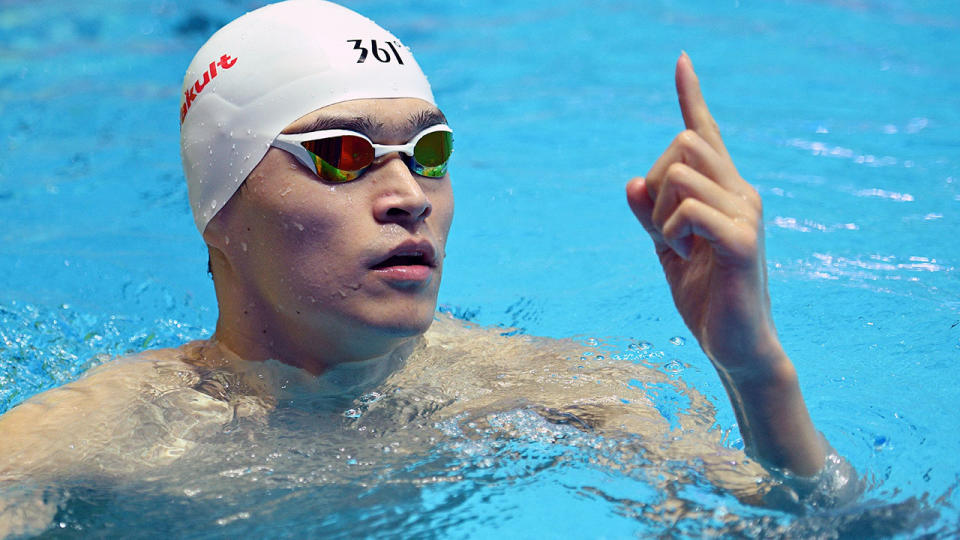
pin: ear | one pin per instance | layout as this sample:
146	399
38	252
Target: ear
217	232
214	235
217	238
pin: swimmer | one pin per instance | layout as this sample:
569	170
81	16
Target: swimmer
316	160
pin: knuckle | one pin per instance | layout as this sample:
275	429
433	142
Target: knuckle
752	196
687	139
749	242
675	171
687	208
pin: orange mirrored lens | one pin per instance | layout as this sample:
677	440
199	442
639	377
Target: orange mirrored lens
347	153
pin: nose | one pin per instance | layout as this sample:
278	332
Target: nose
401	199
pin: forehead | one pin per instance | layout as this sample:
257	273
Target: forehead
373	117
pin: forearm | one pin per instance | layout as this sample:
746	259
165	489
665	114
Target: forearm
773	417
706	223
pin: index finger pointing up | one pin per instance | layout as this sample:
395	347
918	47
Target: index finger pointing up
696	115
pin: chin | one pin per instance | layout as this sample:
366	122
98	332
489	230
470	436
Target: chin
409	327
408	323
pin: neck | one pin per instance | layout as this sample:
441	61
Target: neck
315	349
254	330
279	382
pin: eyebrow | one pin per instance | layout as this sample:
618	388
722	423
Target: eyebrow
367	125
425	118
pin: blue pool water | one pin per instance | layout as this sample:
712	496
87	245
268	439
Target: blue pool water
844	114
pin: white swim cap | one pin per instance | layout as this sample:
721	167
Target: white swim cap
268	68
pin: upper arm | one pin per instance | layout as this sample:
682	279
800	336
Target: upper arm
57	428
88	426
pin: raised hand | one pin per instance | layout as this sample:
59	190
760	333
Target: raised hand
706	223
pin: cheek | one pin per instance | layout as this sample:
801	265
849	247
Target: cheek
303	244
442	214
296	232
291	208
302	263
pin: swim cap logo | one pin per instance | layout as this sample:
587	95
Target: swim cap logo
379	53
190	94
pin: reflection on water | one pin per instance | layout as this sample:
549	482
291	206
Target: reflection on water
914	275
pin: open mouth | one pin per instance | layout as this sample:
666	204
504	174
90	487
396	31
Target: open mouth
404	259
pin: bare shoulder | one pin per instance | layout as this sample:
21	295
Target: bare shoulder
561	374
570	382
508	347
110	415
102	391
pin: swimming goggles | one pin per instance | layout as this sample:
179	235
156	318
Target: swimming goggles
338	155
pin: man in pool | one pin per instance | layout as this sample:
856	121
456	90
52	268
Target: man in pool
316	159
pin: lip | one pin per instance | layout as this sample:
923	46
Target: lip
419	271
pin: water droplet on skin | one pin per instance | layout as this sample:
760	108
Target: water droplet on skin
298	226
226	240
677	340
673	366
243	245
286	191
213	204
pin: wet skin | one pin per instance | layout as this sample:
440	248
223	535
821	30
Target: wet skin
294	255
